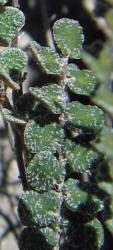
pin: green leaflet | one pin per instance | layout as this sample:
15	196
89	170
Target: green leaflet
104	142
5	77
47	138
74	195
52	96
80	82
2	2
79	197
51	236
101	67
39	209
47	58
98	233
69	37
11	20
45	172
104	98
84	116
12	118
80	158
12	61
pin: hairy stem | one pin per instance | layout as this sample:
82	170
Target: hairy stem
63	84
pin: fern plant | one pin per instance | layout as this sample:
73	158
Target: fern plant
57	131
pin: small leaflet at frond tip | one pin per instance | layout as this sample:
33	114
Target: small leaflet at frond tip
68	37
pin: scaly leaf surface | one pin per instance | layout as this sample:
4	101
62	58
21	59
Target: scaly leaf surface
12	61
79	81
11	21
68	37
47	138
52	96
45	172
47	58
80	158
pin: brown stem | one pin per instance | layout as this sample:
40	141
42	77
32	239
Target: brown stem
18	139
15	41
19	156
